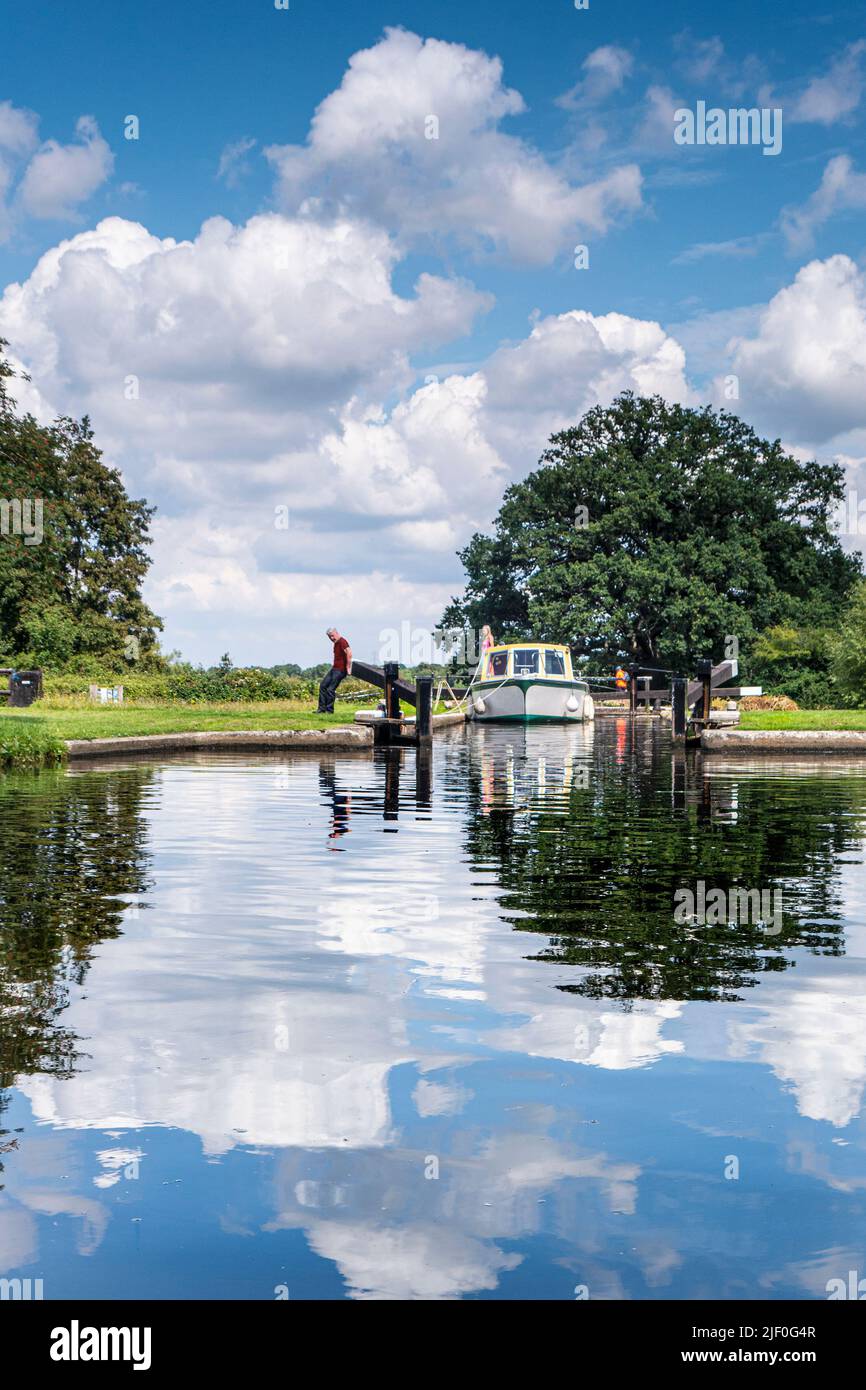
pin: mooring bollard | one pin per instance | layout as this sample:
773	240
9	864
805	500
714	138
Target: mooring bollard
424	707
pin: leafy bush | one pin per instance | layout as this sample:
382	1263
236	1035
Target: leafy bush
810	689
188	686
795	662
194	685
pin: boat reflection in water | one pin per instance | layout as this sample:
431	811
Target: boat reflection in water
471	1054
523	766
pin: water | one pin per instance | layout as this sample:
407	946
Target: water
353	1026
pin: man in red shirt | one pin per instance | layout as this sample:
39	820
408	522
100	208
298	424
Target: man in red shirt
340	669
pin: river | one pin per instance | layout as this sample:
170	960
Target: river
395	1026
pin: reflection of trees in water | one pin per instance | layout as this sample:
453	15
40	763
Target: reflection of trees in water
72	849
597	871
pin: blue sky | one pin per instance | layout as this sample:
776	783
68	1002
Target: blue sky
280	358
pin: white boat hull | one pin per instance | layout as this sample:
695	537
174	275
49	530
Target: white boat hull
527	700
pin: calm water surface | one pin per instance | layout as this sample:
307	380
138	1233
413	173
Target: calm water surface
365	1027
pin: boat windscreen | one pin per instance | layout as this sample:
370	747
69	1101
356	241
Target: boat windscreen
497	664
525	661
554	663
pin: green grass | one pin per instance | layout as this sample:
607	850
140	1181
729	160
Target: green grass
804	719
34	735
30	737
29	745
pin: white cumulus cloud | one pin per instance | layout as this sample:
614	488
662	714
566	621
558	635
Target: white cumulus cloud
412	139
61	177
804	369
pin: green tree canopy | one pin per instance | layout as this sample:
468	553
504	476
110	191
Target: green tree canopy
849	651
652	531
71	575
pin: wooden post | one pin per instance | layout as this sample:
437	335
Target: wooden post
424	708
632	689
704	674
392	698
678	707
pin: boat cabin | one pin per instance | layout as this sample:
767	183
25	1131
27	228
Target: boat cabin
545	660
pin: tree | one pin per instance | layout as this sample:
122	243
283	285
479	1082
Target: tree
849	651
70	578
652	532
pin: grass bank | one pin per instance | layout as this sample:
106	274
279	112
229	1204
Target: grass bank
35	736
29	745
804	719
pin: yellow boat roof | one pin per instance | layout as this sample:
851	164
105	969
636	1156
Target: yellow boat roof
522	646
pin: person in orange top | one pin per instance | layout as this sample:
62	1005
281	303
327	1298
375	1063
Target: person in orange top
621	679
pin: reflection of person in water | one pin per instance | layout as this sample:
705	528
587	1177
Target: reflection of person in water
341	801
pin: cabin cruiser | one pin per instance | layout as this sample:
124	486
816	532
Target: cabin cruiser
529	681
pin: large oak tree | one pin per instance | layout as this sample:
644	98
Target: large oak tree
652	532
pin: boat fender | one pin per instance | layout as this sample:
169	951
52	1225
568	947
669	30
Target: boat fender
479	706
589	707
571	703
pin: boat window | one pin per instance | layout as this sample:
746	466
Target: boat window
497	664
554	663
526	661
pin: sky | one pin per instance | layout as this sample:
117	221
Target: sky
326	279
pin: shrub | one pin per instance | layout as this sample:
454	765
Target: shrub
194	685
810	689
795	662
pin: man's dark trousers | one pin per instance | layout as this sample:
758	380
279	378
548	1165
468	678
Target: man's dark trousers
328	689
